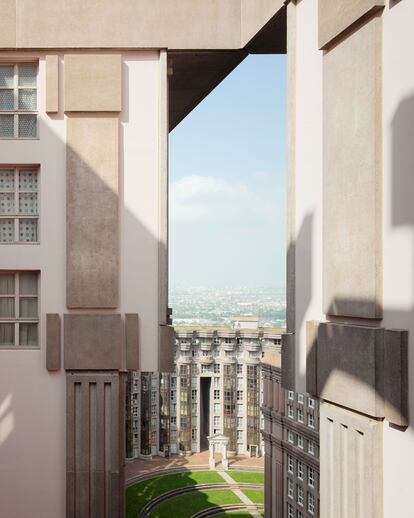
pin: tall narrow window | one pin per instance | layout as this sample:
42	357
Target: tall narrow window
18	100
19	315
19	207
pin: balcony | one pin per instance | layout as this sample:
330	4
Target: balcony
185	347
252	346
205	359
228	347
205	346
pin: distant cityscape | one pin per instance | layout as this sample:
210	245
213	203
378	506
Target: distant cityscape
204	306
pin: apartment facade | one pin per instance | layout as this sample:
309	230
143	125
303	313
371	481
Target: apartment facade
291	437
217	387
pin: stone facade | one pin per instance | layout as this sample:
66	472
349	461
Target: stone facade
167	414
291	437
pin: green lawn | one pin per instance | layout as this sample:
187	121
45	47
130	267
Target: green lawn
255	495
236	514
247	477
140	494
184	506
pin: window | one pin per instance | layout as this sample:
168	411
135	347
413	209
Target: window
299	514
240	422
311	447
173	395
300	470
216	340
239	435
205	369
300	399
216	394
300	441
217	421
174	421
290	436
239	368
18	309
216	383
311	477
290	511
216	368
19	211
240	409
311	403
194	434
290	464
299	493
239	395
18	101
290	491
300	415
311	503
216	408
240	383
193	394
290	412
228	340
193	409
311	421
290	395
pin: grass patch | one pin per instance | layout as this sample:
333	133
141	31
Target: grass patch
140	494
247	477
255	495
184	506
234	514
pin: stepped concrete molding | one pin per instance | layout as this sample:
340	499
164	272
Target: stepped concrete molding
132	341
92	211
288	361
175	24
94	459
166	348
52	83
336	16
351	464
352	175
361	368
92	341
53	342
93	82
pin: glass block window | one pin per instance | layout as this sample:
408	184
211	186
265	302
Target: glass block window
19	314
19	210
18	100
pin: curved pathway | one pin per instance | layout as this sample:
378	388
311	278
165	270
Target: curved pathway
214	511
145	511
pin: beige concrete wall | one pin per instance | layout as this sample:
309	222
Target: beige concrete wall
181	24
140	197
52	83
352	175
308	179
93	82
398	245
350	464
337	16
92	211
32	401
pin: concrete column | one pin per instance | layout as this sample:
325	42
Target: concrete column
224	461
211	461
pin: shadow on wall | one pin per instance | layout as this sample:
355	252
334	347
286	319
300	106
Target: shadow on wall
33	400
402	215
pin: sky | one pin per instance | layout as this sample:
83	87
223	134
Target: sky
227	167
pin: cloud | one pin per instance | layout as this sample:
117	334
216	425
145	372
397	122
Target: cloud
206	198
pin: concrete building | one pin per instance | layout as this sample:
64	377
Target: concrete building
291	437
85	110
216	388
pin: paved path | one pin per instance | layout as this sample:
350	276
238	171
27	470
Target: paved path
141	466
238	492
